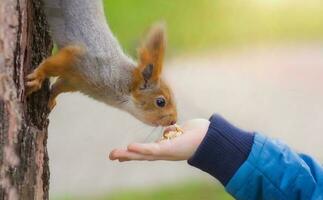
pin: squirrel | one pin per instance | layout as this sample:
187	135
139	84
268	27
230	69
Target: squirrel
90	60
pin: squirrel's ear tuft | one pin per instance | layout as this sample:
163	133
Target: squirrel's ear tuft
151	55
156	39
153	49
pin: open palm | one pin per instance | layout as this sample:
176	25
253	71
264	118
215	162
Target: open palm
180	148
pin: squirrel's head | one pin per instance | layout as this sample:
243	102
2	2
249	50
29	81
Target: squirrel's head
151	97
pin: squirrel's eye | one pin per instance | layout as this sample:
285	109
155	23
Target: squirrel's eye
160	102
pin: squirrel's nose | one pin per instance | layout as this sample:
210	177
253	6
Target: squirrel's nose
172	122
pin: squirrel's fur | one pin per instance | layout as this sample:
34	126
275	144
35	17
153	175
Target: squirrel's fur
90	60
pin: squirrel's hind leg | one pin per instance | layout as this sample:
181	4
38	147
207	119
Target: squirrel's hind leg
60	65
60	86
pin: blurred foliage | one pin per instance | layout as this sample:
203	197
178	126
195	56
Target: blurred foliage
183	191
195	25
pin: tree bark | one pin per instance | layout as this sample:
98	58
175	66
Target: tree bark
24	43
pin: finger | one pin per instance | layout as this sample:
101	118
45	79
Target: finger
123	160
140	157
145	148
112	155
158	149
147	158
125	155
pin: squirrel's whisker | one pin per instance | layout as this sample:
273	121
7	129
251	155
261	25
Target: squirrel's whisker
150	134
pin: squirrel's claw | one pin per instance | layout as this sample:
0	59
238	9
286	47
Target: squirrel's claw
33	83
31	76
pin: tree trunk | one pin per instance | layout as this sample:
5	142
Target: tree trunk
24	42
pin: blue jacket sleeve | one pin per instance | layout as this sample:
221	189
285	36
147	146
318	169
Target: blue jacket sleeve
270	170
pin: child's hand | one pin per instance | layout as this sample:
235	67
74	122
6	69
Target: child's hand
180	148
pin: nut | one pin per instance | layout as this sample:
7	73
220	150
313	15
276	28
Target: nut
173	133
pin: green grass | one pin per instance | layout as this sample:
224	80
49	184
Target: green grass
183	191
196	25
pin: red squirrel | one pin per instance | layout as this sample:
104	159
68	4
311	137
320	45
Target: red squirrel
90	60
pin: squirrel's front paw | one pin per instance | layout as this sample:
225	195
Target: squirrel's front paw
34	82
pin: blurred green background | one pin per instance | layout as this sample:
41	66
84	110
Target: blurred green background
200	25
190	190
205	25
